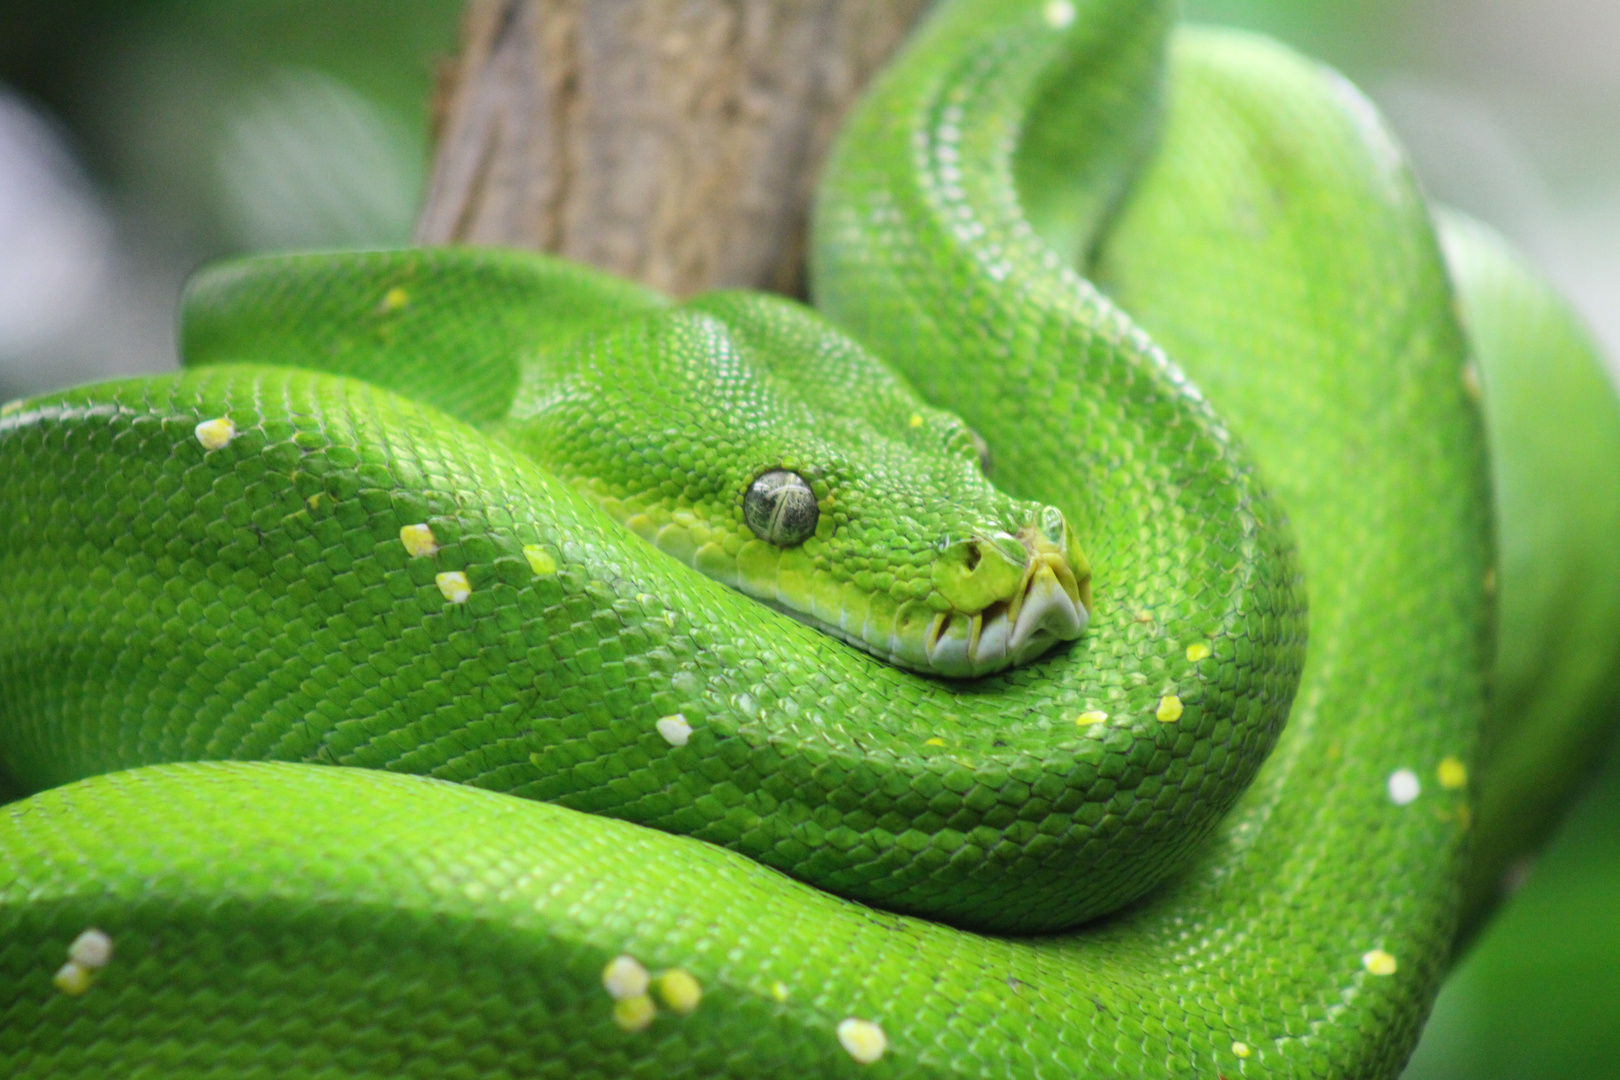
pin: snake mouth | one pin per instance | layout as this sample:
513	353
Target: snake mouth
1049	607
1008	598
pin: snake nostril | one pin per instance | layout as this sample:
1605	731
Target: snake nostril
973	557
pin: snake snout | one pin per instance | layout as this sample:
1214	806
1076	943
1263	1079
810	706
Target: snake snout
1036	601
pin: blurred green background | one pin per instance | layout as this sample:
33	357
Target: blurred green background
139	138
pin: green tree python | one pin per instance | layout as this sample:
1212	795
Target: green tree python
903	722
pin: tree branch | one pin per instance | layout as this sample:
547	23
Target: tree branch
676	142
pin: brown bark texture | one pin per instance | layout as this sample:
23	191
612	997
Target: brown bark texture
675	142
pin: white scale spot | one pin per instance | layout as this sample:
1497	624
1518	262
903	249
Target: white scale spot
624	978
453	584
1404	786
418	540
1241	1049
675	729
863	1039
91	949
1059	13
214	434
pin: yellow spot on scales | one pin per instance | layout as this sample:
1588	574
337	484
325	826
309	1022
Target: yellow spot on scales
1378	962
216	433
935	742
779	990
1452	773
1170	709
634	1013
1197	651
863	1039
1091	716
11	407
71	979
916	420
540	560
1241	1049
453	584
395	298
418	540
679	990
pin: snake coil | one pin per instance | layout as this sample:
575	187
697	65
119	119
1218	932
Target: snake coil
324	545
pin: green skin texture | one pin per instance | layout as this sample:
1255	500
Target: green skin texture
255	601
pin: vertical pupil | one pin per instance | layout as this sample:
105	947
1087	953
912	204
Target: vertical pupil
780	508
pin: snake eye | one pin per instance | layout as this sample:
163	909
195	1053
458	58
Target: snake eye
781	508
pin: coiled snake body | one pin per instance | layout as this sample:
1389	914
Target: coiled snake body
358	565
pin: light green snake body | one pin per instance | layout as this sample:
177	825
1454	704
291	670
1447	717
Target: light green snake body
359	565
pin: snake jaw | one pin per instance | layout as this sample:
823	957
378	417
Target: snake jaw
1050	603
1003	610
1045	611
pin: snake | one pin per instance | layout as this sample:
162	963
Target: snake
1081	645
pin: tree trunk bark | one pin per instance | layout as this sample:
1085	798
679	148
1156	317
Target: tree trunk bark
676	142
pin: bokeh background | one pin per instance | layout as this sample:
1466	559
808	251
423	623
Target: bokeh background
139	138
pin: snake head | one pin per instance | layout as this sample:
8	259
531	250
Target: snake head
1004	581
749	439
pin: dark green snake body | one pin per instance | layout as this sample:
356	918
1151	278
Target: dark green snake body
357	565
